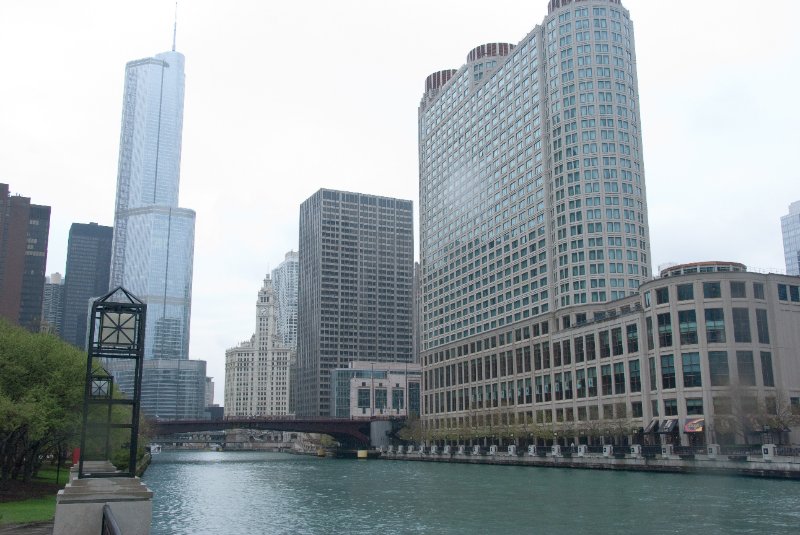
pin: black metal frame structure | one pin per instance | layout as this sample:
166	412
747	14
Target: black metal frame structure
116	331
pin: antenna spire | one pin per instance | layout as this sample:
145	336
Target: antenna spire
175	27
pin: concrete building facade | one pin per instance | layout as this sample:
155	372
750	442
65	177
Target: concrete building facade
790	226
707	353
257	380
24	231
87	277
370	389
355	296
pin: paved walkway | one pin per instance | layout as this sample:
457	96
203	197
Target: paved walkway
35	528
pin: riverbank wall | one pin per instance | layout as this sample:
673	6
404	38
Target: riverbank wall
779	467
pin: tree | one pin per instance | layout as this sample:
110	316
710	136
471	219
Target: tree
41	391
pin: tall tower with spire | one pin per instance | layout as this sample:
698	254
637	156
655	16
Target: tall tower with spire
153	245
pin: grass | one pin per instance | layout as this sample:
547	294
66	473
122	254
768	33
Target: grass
37	509
25	511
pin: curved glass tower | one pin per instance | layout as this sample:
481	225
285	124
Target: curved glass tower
153	246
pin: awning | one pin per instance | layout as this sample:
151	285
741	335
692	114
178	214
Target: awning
694	425
652	427
668	426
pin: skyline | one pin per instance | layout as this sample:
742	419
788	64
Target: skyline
691	128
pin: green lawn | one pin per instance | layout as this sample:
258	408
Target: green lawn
33	510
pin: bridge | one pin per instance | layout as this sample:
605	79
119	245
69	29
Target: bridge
349	433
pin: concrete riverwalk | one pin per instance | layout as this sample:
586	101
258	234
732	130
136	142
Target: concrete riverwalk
763	463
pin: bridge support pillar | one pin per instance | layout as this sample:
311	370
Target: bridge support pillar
379	432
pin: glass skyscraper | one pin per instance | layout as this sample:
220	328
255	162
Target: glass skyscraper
790	225
153	244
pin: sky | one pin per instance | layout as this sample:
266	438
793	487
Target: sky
284	98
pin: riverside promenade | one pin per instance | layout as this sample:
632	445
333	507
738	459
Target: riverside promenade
768	461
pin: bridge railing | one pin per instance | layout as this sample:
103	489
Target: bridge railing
109	526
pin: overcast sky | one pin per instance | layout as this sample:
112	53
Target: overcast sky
283	98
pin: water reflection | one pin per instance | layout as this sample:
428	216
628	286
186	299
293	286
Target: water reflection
227	492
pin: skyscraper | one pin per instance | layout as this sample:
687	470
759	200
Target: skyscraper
257	379
284	280
355	296
53	304
87	276
532	195
24	230
153	245
790	225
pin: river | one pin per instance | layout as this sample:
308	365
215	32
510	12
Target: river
271	493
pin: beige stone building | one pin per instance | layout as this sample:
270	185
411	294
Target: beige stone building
707	353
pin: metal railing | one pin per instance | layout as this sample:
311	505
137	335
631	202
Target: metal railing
110	526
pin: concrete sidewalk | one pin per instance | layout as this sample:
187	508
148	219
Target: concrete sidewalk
34	528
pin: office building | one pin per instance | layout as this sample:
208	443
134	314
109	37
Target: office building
355	296
172	389
24	230
369	389
257	381
87	277
153	243
284	281
52	304
790	225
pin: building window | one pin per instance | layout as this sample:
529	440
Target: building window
579	355
619	378
654	407
635	377
649	325
608	412
694	406
691	370
664	330
741	326
715	325
711	290
636	409
685	292
590	351
398	400
746	368
605	374
633	338
783	294
794	293
662	295
363	398
718	368
738	290
580	378
652	368
667	371
591	381
380	398
758	290
616	341
670	407
687	320
605	346
766	369
762	326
